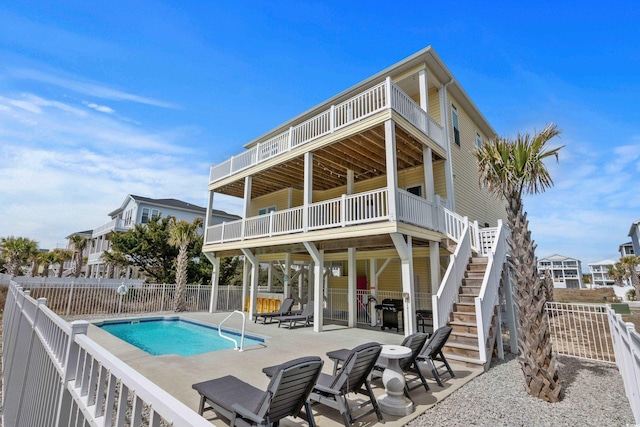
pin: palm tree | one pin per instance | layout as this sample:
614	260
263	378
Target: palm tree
181	235
80	243
510	169
630	262
618	273
47	258
60	256
16	252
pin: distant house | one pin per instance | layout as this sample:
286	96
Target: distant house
566	272
599	274
634	233
68	265
626	249
140	210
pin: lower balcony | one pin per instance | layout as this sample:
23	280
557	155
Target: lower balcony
346	211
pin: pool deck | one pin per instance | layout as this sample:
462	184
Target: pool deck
176	374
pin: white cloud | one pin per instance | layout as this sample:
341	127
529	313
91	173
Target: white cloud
101	108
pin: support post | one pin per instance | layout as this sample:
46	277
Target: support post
392	169
318	278
405	251
255	266
215	282
351	288
434	261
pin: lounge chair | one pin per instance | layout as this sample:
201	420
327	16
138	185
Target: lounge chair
332	390
245	405
285	309
306	317
432	353
408	365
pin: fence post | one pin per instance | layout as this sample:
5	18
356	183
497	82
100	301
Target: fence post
164	285
70	297
78	327
198	299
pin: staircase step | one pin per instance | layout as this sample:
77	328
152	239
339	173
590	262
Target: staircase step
462	359
467	298
476	267
479	260
466	307
461	345
470	289
463	338
463	316
466	327
474	274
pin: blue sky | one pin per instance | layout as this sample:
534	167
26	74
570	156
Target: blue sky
102	99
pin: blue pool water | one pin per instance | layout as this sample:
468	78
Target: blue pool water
173	336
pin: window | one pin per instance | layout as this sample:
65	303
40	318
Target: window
145	216
456	125
155	213
416	190
478	140
265	211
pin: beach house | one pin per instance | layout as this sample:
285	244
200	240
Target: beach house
566	272
371	195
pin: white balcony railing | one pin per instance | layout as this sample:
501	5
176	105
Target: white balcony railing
385	95
117	224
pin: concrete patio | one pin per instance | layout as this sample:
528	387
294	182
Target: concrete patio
176	374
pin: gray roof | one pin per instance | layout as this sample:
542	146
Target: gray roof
172	203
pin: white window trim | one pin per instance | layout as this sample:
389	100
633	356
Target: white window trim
268	210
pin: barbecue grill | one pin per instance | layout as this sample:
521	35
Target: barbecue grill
391	311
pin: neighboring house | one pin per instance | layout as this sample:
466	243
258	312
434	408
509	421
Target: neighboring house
599	276
634	233
626	249
140	210
566	272
371	184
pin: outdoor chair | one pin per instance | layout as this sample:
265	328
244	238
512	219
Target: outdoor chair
305	317
432	353
408	365
332	390
285	309
245	405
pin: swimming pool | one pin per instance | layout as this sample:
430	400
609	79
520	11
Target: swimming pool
159	336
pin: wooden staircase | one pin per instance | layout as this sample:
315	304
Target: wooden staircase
462	345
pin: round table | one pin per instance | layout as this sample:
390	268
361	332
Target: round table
394	402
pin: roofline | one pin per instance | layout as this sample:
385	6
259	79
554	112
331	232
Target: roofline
633	225
427	55
153	202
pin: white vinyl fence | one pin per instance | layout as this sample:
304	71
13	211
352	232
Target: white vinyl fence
580	330
626	345
88	296
54	375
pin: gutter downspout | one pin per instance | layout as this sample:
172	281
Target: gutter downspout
450	197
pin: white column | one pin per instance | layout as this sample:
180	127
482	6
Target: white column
255	265
318	267
373	290
215	281
245	280
392	168
307	188
209	214
448	165
270	277
405	251
434	260
427	160
287	275
351	288
424	90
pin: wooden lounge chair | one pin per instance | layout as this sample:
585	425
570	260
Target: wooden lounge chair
245	405
432	353
306	317
332	390
285	309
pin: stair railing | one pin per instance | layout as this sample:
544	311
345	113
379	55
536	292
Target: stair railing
448	291
487	300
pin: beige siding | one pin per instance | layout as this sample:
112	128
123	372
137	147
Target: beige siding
279	199
439	178
471	200
434	104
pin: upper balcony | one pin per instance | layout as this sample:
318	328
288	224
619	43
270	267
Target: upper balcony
117	224
384	96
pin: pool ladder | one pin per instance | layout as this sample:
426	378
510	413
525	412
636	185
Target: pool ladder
235	342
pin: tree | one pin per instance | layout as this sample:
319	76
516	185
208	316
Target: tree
60	256
630	262
80	243
147	247
16	252
510	169
618	273
46	258
182	234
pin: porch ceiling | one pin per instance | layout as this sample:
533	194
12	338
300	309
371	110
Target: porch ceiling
364	153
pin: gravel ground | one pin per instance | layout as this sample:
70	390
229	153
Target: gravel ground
594	396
